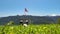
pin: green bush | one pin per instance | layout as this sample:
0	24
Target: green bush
10	23
31	29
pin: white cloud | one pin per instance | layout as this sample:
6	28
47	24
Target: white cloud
54	15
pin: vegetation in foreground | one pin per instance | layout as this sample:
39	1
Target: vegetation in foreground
31	29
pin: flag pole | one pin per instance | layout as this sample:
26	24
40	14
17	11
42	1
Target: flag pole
25	13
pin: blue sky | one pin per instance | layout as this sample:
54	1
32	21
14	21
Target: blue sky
35	7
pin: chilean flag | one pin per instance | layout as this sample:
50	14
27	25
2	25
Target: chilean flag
26	10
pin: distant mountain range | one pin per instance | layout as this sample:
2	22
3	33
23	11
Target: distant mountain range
34	19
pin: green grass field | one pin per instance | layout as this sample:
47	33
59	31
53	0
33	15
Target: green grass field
31	29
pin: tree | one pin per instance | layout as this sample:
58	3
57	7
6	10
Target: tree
58	20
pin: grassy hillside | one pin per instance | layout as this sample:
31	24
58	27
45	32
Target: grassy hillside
31	29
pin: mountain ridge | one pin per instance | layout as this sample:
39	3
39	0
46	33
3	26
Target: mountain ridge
34	19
